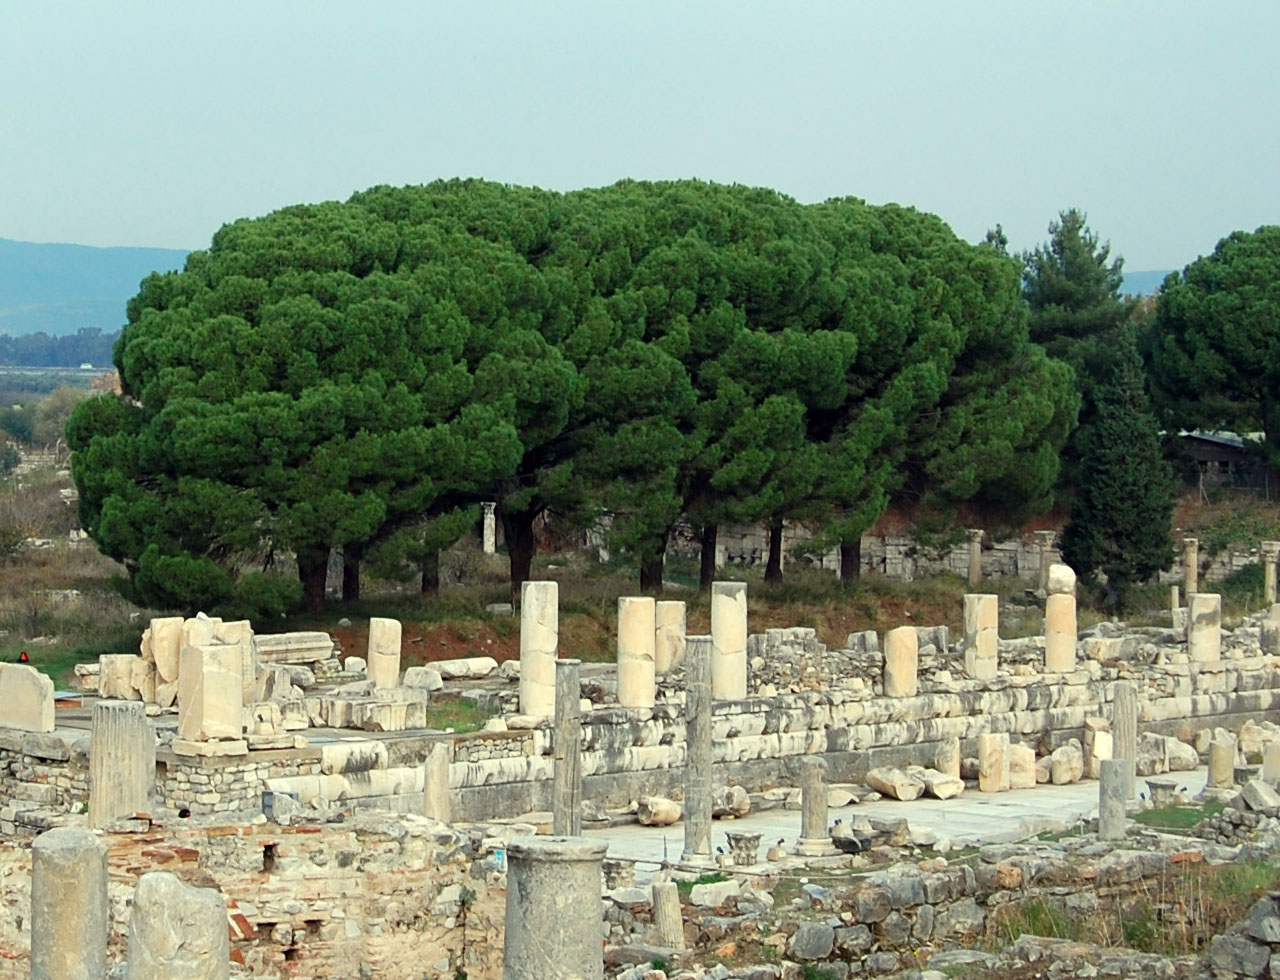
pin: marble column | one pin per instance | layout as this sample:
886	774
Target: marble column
383	653
901	662
1222	762
666	914
1060	634
975	555
70	912
177	930
1124	732
815	839
981	636
1271	763
489	538
670	624
1044	542
698	774
637	634
947	758
566	790
1112	798
552	926
122	762
1270	555
729	641
1204	627
437	798
994	774
539	638
1191	565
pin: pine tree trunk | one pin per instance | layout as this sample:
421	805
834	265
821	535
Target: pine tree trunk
707	564
313	573
351	573
851	560
517	528
773	567
651	574
431	574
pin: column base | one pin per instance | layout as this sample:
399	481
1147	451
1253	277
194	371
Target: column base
698	860
815	847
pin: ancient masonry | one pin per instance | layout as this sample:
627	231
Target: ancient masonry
233	799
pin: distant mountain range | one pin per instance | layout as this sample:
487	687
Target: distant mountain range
61	289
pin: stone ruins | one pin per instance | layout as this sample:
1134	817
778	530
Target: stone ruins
230	803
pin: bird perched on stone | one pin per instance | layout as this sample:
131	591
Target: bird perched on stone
839	831
776	853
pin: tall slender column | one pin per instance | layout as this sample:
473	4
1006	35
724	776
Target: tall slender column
975	555
552	927
670	624
1270	555
70	913
437	800
729	640
1191	565
539	638
1111	798
566	791
698	750
901	662
122	762
489	539
981	636
637	634
1124	732
814	841
1044	541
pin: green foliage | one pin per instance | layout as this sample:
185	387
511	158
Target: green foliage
685	888
1178	817
9	458
1215	349
11	538
1121	513
52	412
18	421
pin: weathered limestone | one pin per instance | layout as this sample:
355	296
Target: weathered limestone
293	648
166	646
1124	732
975	555
1112	790
981	635
901	662
1270	555
70	913
1022	767
814	839
729	640
1204	627
637	633
1190	565
666	914
947	760
210	692
993	762
1098	745
539	638
1044	542
657	811
384	652
27	702
1060	634
115	676
566	792
1271	763
489	536
669	641
122	762
698	749
437	802
894	783
1222	761
239	632
552	927
177	930
1269	638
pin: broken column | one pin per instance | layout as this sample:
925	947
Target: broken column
729	640
815	840
975	555
666	914
1222	761
901	662
1270	555
636	636
947	759
539	637
1204	627
437	801
566	790
669	626
993	762
122	762
1271	763
1060	621
384	652
1112	798
489	539
1190	565
698	750
1124	732
177	930
1044	543
981	635
70	913
552	927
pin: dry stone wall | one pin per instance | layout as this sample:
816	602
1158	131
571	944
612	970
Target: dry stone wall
44	779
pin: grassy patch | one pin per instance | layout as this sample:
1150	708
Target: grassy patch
686	887
1177	817
461	716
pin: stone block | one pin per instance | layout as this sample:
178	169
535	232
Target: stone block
895	783
1204	628
670	632
993	762
176	930
466	668
1062	580
211	692
166	646
115	676
423	678
293	648
384	652
1022	767
901	662
637	634
981	635
27	704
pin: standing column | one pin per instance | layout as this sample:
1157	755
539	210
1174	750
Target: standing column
552	929
177	930
729	640
975	555
1112	798
566	790
122	762
981	636
384	652
489	538
539	637
815	841
698	750
70	913
1222	761
1270	555
670	624
637	633
901	662
437	802
1044	541
1191	565
666	914
1124	732
1060	620
1204	626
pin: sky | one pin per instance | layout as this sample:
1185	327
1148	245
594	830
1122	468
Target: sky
131	123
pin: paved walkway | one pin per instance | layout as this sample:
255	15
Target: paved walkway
971	818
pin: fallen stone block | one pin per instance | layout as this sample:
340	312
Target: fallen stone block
895	783
657	811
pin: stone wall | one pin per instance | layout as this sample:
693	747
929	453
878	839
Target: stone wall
44	779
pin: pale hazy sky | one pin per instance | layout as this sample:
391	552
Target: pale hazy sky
130	123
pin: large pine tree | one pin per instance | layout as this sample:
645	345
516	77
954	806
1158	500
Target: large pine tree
1124	498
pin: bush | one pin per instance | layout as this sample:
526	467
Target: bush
262	594
11	538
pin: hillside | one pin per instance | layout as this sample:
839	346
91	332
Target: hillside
60	289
